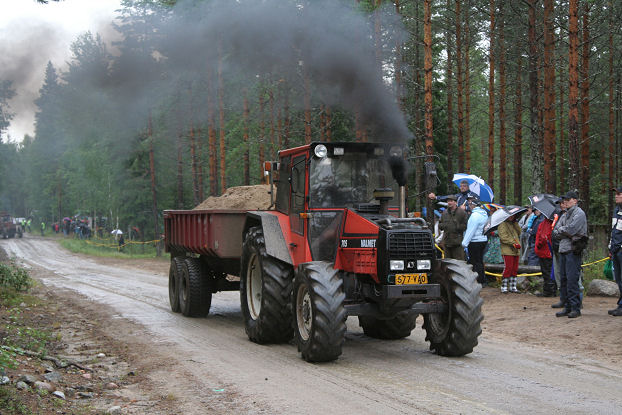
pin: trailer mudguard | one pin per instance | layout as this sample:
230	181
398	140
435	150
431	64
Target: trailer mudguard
276	246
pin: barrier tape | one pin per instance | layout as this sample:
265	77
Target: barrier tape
121	246
540	273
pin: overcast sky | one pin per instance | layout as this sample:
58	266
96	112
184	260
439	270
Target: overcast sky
32	34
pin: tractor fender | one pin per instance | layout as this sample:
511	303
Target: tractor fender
276	246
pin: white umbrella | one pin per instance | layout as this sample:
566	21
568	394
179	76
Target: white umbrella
117	232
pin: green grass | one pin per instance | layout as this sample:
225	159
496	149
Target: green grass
108	248
11	403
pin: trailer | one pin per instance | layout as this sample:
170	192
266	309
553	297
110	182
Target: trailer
336	243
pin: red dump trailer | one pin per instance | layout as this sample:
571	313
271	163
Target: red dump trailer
336	243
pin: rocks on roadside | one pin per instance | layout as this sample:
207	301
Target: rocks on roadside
85	395
21	385
4	380
111	385
53	377
39	385
27	379
101	355
114	410
59	394
603	288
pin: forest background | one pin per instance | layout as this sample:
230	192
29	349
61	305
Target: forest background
525	94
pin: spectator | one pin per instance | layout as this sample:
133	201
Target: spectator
509	236
461	198
474	240
453	223
615	248
532	229
543	251
42	228
524	236
121	242
571	231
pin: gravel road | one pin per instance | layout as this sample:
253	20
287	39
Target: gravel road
371	377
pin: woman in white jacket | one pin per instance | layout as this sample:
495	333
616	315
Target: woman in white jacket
474	240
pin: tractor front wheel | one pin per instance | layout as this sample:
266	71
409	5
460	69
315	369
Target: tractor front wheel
394	328
455	332
265	292
319	314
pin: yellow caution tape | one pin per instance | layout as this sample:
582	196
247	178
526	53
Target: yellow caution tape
539	273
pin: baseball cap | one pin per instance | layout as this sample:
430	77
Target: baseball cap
617	189
474	199
570	195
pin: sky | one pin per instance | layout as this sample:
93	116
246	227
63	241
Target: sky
32	34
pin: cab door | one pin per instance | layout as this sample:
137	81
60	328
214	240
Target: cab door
298	245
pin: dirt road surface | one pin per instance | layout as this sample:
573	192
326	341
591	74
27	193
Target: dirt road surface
208	365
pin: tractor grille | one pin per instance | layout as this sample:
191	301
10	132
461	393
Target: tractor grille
409	244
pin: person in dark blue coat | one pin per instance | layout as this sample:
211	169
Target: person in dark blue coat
615	248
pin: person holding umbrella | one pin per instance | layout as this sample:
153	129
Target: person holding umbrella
509	236
474	240
461	198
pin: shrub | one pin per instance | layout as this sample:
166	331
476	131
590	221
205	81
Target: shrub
14	276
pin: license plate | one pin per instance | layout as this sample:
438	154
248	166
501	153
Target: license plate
403	279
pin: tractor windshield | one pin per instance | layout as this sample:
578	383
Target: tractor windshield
348	180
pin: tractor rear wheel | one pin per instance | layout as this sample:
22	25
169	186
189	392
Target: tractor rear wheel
195	289
455	332
319	314
394	328
174	276
265	292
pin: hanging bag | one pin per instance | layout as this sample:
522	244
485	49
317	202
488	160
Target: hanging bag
608	269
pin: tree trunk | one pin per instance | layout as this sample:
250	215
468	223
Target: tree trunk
502	94
193	163
585	111
518	137
534	104
450	92
611	129
429	122
286	120
154	206
573	94
467	92
491	98
459	86
199	143
262	137
211	132
247	175
307	102
398	62
221	125
329	120
549	99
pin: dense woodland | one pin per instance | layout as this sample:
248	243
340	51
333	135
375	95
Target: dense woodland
525	94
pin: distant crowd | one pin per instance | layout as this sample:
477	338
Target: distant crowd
555	242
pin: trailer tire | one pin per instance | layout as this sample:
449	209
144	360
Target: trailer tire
195	295
174	275
265	292
319	313
455	332
394	328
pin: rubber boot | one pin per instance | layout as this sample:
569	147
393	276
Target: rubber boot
504	286
513	288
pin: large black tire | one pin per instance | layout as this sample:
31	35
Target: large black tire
319	314
195	294
265	292
455	332
394	328
174	276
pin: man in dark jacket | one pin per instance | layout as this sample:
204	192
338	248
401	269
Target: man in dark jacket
462	198
453	223
615	248
570	230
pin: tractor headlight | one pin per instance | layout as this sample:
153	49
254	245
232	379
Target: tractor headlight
396	265
320	151
396	151
424	264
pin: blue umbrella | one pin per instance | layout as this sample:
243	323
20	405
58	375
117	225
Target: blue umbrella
476	184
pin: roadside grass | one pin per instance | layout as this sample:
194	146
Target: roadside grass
109	248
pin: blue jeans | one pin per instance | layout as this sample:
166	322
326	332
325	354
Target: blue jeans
570	273
616	259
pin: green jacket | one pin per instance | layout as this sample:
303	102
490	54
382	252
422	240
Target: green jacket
509	234
453	224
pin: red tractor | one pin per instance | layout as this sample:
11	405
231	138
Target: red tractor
8	228
337	244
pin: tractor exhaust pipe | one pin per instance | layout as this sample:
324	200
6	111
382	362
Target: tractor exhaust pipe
402	201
